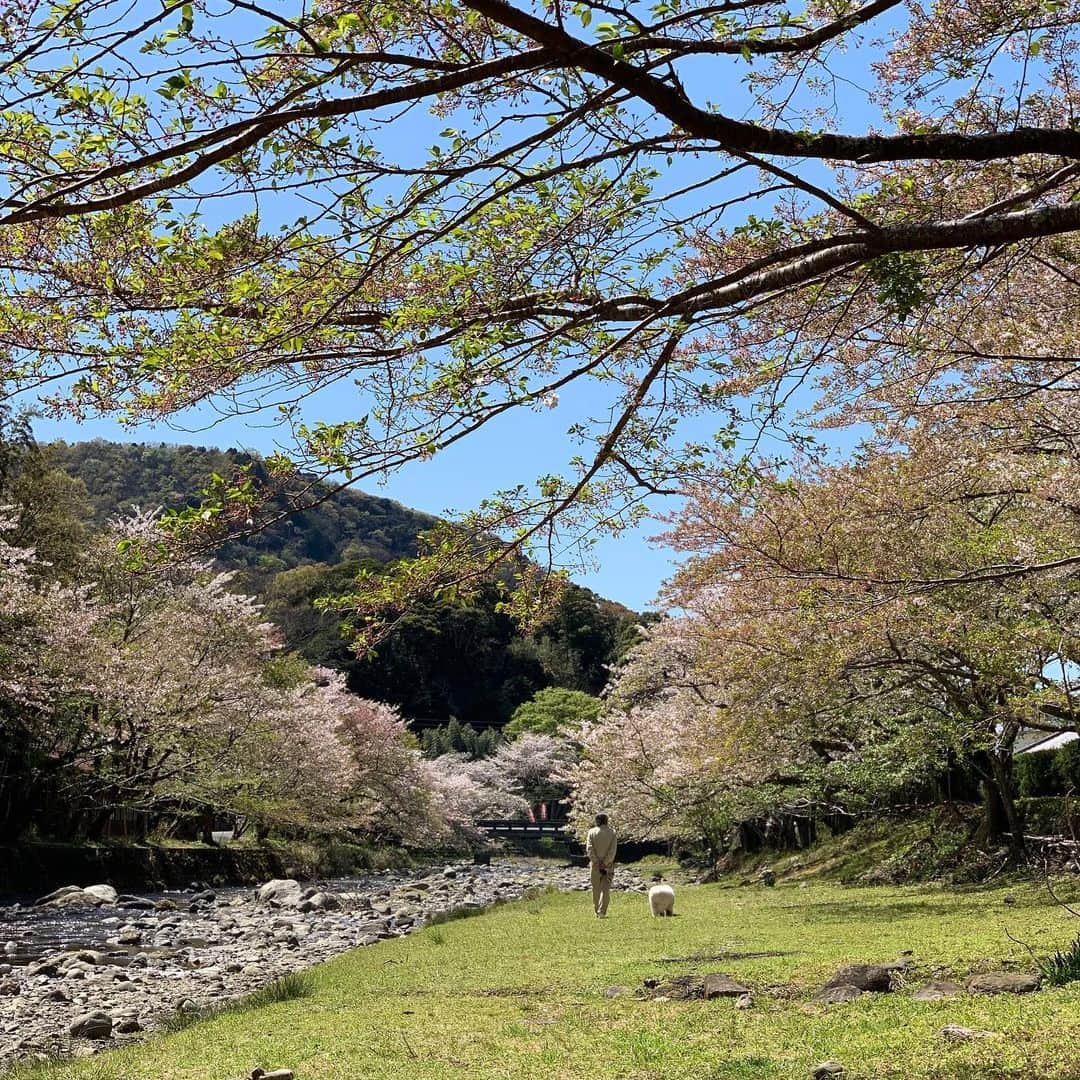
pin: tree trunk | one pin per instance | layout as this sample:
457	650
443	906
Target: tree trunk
1002	814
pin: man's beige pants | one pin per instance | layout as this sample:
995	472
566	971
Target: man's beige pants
601	889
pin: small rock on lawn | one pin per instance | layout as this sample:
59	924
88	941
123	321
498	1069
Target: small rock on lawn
827	1069
963	1034
936	990
873	978
1003	982
722	986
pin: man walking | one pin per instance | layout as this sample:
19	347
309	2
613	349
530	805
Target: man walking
600	847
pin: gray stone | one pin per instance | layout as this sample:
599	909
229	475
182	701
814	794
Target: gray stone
320	901
281	892
105	893
56	894
936	990
962	1034
75	899
9	987
873	978
615	991
1003	982
137	903
129	1026
827	1069
92	1025
838	995
718	985
90	956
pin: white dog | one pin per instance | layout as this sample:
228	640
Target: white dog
662	900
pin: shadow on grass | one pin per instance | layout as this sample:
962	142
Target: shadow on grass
871	911
711	958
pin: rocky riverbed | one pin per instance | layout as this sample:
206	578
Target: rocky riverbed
136	960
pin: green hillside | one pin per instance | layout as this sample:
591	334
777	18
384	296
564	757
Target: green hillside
446	659
350	525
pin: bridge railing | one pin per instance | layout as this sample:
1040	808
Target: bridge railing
523	827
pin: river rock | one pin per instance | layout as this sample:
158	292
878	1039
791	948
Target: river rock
136	903
57	894
105	893
280	892
1003	982
91	1025
320	901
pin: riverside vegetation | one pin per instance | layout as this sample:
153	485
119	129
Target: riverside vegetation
540	989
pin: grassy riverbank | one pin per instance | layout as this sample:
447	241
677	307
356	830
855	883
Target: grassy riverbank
519	993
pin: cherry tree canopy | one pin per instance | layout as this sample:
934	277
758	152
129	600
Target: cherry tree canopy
459	210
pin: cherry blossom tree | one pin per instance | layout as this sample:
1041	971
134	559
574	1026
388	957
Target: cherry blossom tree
469	791
660	759
771	215
30	679
153	686
817	603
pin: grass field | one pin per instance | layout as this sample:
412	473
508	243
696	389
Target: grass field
518	993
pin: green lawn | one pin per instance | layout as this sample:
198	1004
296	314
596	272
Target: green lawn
517	993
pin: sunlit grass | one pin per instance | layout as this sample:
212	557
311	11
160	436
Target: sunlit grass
518	993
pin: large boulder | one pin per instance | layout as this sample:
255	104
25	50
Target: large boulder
1003	982
105	893
281	892
92	1025
58	894
73	896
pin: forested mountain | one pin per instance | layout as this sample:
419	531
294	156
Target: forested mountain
446	659
349	526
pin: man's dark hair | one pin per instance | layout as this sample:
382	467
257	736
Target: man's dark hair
601	819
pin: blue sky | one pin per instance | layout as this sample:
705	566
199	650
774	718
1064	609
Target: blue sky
629	568
516	449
